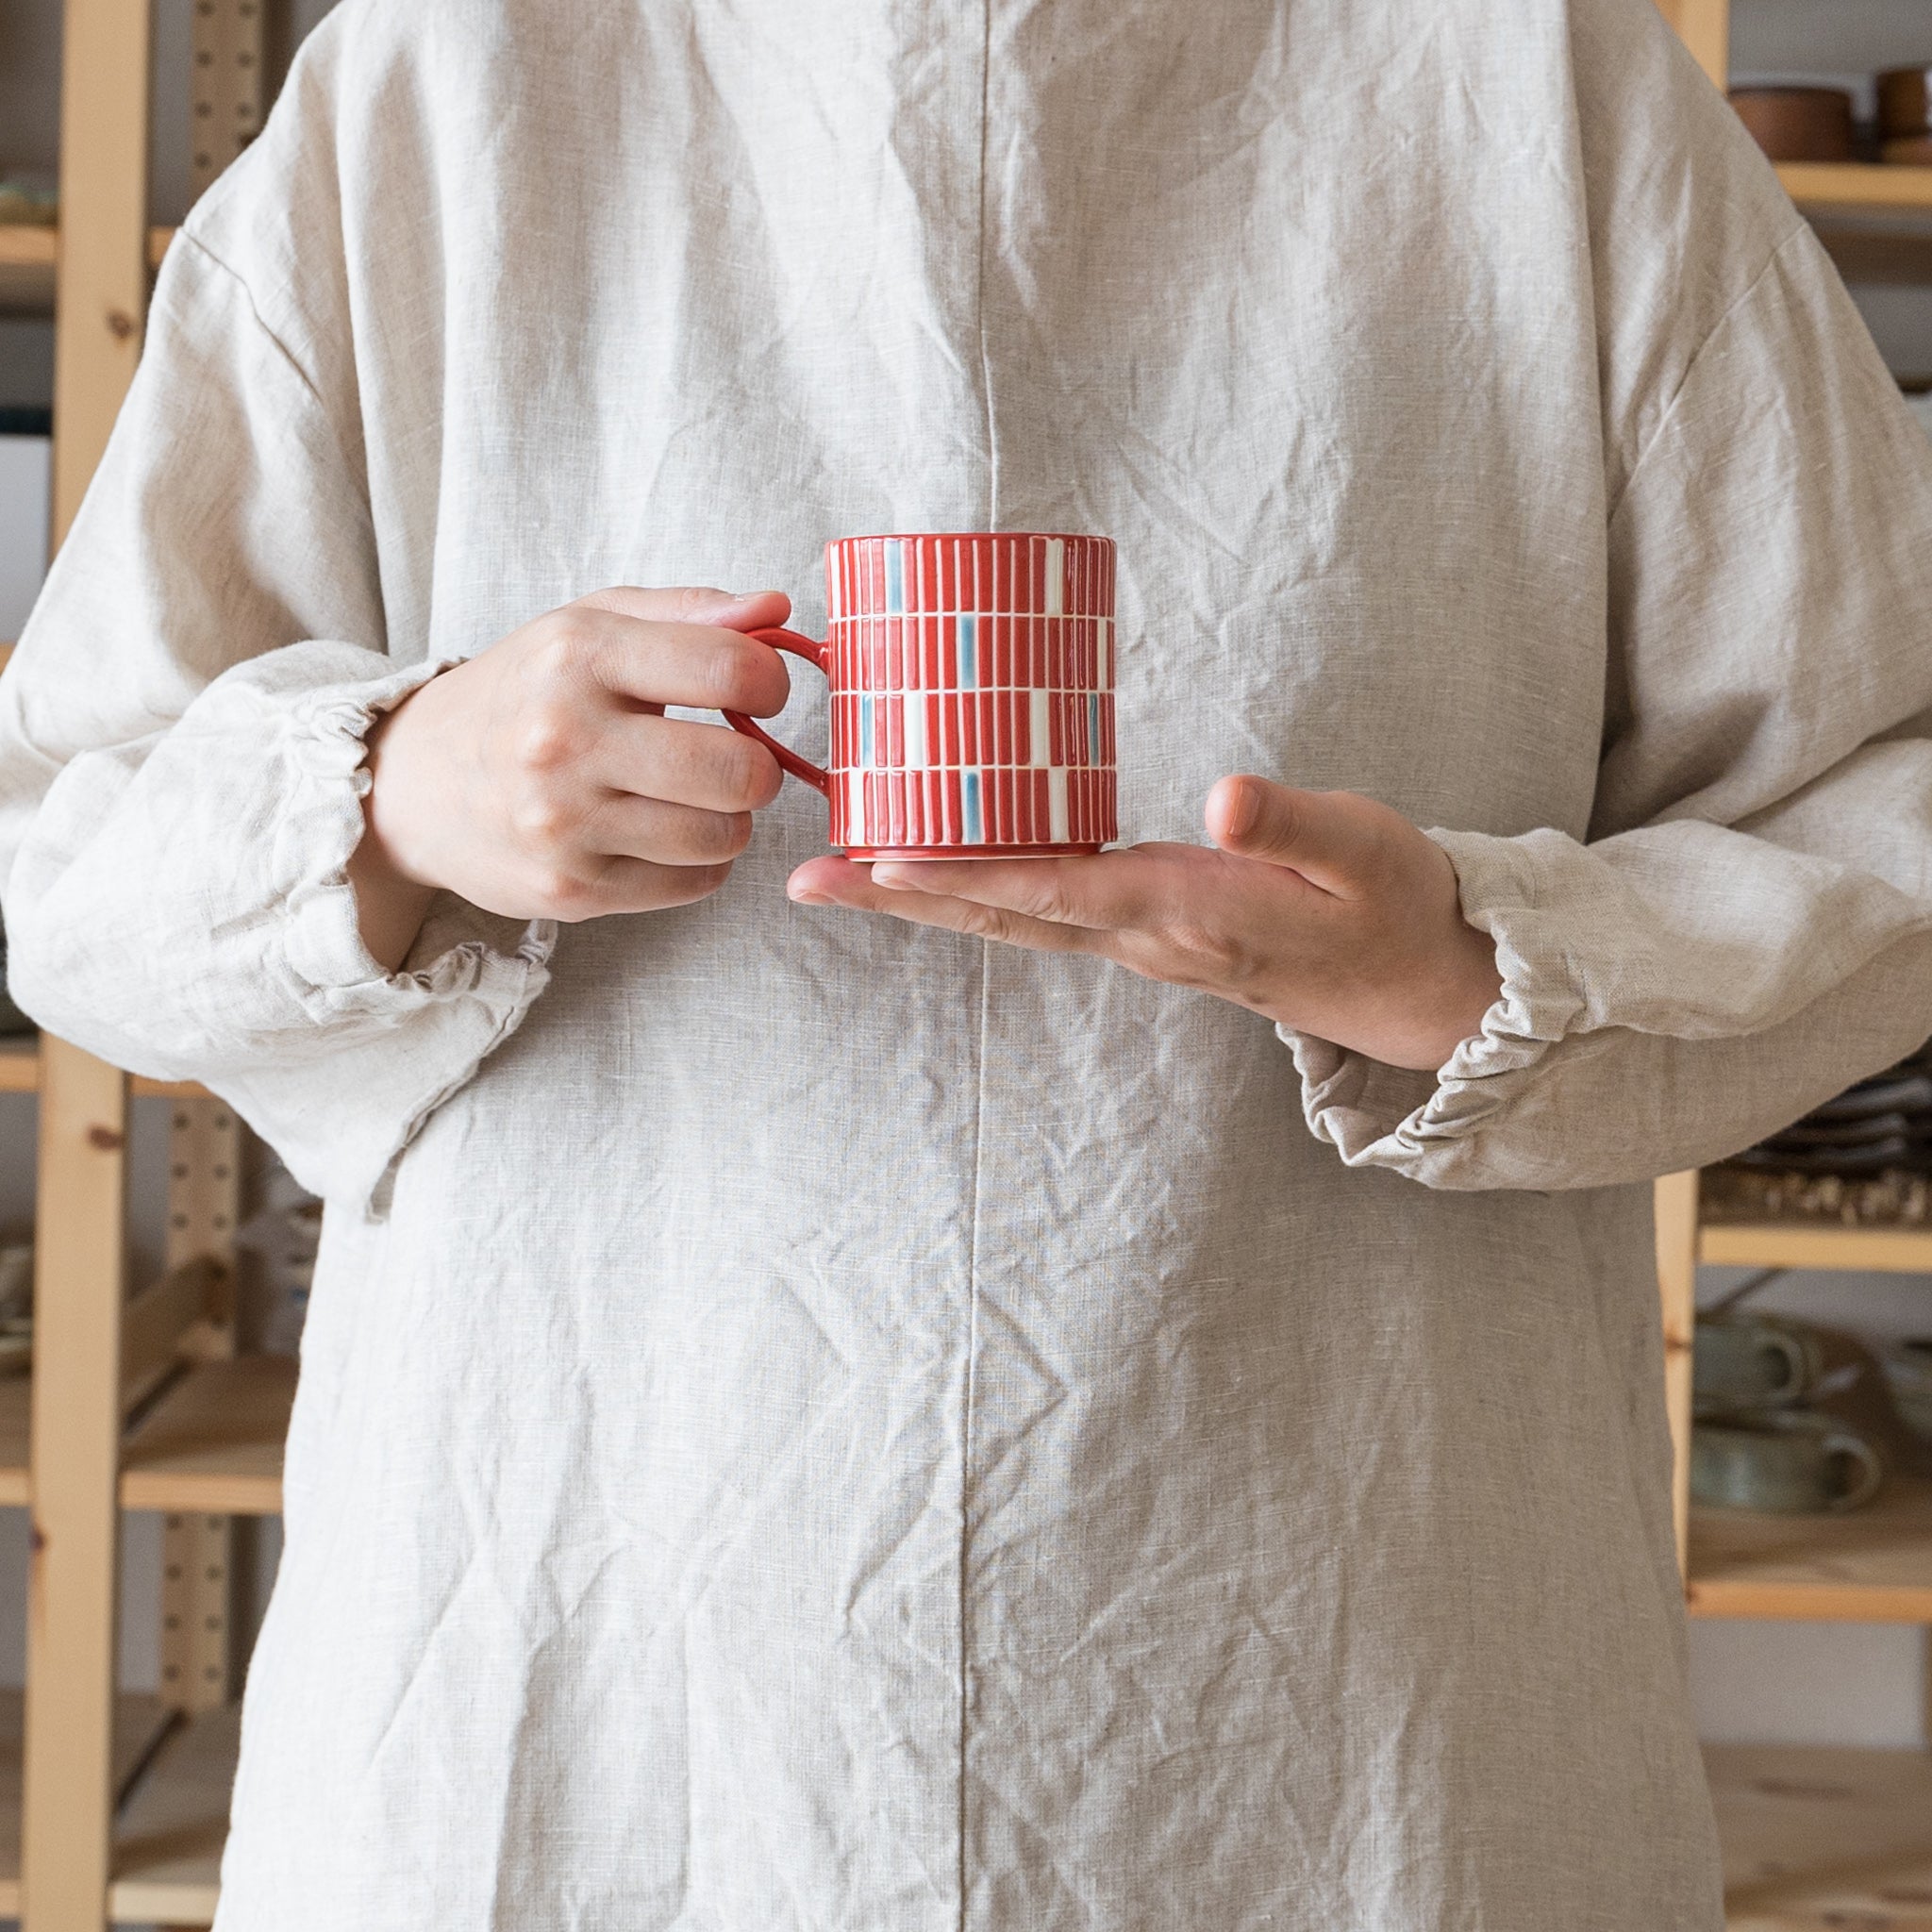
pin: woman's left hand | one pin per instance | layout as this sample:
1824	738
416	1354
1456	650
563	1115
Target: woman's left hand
1322	910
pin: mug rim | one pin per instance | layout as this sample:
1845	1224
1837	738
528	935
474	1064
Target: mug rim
1782	1423
962	536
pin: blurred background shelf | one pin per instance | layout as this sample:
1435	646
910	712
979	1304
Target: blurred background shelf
1870	1566
20	1073
173	1824
1799	1244
139	1725
1823	1840
212	1442
1855	184
16	1397
26	267
28	259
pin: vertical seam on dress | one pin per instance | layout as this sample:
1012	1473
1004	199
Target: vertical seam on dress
992	446
970	1378
966	1414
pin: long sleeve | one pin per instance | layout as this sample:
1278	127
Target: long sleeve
181	745
1748	925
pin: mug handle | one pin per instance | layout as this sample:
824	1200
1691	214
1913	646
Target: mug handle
1862	1466
1796	1358
814	654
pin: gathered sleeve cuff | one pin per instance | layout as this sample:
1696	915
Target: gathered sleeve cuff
187	915
1669	997
1430	1126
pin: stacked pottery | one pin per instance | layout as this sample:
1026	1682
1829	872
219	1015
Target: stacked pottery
1882	1124
1908	1375
1904	116
1758	1442
1798	123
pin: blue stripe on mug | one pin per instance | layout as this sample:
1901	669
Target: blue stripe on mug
969	807
1092	728
896	579
967	652
866	756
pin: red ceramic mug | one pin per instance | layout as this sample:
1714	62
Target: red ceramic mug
972	690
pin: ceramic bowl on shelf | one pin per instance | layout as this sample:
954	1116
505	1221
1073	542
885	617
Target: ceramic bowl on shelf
1797	124
1883	1124
1905	102
1783	1462
1755	1361
27	201
1909	1376
1907	151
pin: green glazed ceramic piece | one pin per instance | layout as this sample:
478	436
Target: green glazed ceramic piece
1784	1462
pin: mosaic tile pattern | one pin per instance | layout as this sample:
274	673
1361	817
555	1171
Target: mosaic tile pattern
973	691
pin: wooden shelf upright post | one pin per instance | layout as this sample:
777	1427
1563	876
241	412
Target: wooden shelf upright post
101	298
76	1433
1705	27
197	1547
1676	1274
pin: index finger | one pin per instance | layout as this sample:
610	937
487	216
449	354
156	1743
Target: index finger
653	662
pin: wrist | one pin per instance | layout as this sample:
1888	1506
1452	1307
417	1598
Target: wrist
392	900
1472	986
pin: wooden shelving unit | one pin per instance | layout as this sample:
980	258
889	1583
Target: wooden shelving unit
1873	1566
115	1806
1813	1839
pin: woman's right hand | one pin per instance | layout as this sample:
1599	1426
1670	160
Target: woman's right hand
541	779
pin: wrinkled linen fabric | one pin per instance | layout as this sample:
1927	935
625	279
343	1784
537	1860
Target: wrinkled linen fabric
807	1421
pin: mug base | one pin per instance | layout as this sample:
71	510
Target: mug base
865	854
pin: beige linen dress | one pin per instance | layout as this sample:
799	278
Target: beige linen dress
812	1423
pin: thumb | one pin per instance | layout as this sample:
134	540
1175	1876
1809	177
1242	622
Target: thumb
1322	835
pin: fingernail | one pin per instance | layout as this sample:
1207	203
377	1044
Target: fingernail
1243	812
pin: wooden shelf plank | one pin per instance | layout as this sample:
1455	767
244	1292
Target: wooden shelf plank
1818	1837
1855	184
20	1073
213	1443
1870	1566
1794	1244
26	244
26	267
168	1839
28	259
144	1089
